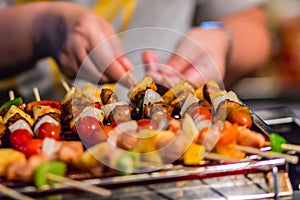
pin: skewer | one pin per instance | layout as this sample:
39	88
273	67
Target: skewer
219	157
13	193
76	184
267	154
80	185
11	95
287	147
291	147
36	94
65	84
279	144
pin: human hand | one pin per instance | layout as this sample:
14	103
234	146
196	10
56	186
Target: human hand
199	57
82	43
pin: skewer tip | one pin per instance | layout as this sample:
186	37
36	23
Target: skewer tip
11	95
65	84
36	94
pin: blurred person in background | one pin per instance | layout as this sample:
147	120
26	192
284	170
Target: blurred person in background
67	32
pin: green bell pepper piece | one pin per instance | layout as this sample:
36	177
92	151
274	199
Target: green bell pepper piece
276	142
15	101
127	162
54	167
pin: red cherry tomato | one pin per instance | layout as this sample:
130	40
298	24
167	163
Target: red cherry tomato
49	130
19	136
241	118
146	124
31	147
205	112
90	130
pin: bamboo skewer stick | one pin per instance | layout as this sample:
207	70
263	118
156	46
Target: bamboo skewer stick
11	95
65	84
13	193
36	94
267	154
79	185
219	157
291	147
287	147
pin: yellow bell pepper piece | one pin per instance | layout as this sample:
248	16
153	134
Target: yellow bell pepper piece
194	154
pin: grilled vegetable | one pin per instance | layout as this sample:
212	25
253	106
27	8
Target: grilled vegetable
276	142
138	91
194	154
43	107
53	167
127	162
7	104
180	87
227	107
14	113
8	156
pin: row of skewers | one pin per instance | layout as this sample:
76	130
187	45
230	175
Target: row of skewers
184	124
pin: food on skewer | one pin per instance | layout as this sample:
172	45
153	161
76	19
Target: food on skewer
2	129
46	114
43	170
279	144
83	114
138	91
126	141
8	156
18	123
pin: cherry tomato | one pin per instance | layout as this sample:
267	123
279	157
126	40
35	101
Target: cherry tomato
204	111
201	111
49	130
31	147
146	124
89	129
18	137
96	105
241	118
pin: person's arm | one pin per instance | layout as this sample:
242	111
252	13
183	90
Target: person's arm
65	31
201	54
251	43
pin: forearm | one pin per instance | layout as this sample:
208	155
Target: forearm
34	31
17	35
250	44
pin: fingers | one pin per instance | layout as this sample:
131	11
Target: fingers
107	54
186	51
202	71
178	62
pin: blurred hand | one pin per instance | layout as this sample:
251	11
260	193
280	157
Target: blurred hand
199	56
82	42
